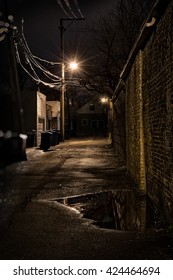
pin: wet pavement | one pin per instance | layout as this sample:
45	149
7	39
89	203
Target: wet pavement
119	210
76	201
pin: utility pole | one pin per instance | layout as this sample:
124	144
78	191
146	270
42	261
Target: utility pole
62	95
62	81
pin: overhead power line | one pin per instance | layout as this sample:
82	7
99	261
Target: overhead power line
62	7
34	61
66	7
33	64
77	6
34	76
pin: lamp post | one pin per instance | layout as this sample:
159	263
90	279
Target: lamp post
73	66
62	81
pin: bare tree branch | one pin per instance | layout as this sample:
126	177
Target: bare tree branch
113	37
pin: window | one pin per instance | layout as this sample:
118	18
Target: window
84	122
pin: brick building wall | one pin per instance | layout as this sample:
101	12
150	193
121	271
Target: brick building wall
158	113
135	158
148	81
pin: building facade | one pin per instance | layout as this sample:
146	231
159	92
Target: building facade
92	119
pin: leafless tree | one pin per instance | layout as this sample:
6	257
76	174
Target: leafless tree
113	36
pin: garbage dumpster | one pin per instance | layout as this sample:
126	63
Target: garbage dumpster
45	140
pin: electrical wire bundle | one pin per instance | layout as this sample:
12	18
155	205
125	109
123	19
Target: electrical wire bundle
34	64
66	7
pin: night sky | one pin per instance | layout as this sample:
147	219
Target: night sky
41	22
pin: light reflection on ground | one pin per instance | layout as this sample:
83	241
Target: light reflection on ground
120	209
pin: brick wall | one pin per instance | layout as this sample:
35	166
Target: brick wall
135	160
158	113
149	116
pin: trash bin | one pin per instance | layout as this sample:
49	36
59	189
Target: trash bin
59	136
12	148
30	142
54	138
45	140
15	148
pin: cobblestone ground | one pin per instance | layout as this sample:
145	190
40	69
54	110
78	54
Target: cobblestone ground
35	226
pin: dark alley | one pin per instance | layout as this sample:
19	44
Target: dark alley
39	223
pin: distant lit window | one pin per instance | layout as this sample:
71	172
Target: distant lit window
84	122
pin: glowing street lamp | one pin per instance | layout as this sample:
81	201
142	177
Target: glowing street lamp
73	65
104	100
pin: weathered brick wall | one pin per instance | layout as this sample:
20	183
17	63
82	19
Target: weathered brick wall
158	113
149	116
134	124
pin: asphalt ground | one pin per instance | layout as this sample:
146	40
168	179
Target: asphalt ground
34	225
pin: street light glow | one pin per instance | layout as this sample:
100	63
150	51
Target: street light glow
73	65
104	99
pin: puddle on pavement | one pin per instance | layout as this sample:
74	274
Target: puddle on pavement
121	210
